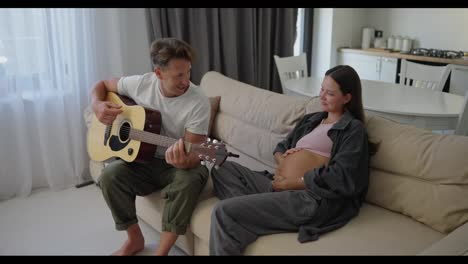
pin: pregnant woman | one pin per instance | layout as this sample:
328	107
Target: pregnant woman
320	182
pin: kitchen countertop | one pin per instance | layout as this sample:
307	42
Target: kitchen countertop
374	52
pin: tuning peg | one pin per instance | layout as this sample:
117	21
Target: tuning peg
207	157
215	141
202	162
213	160
208	139
200	156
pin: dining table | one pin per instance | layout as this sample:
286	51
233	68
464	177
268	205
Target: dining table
420	107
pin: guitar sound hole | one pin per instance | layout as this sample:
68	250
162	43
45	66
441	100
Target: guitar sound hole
124	132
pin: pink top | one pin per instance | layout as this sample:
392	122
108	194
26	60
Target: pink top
317	140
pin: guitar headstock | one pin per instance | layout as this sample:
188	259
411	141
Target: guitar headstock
211	153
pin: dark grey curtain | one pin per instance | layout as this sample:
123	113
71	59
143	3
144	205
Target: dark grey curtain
237	42
308	29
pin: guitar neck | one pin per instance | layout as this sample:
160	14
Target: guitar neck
151	138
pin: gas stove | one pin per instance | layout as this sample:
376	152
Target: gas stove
446	54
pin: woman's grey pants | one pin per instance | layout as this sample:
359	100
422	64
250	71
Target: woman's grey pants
249	208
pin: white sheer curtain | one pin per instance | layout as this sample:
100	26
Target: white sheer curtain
47	68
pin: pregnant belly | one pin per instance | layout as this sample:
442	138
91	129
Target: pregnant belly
296	164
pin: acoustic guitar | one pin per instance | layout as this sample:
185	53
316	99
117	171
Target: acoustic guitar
134	136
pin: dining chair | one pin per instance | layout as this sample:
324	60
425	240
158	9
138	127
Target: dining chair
462	125
424	76
293	67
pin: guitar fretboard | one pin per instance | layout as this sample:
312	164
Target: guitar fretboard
151	138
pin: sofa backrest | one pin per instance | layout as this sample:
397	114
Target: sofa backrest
251	119
419	174
415	172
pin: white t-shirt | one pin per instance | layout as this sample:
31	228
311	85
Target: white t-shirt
189	111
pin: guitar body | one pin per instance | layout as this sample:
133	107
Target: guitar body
106	142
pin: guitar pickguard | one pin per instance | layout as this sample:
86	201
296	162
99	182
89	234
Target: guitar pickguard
115	144
121	141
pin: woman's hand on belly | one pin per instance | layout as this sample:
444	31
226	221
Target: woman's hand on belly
291	151
295	165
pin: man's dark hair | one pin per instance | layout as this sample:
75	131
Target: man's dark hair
165	49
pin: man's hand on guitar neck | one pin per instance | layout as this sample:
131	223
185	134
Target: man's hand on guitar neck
177	157
106	112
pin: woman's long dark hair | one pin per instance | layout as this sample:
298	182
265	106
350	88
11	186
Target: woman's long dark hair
349	82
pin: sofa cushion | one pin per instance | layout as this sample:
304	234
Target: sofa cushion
419	174
247	120
375	231
313	105
454	244
247	161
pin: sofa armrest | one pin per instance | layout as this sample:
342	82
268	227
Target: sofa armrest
455	243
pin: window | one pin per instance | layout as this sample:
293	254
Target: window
22	49
35	49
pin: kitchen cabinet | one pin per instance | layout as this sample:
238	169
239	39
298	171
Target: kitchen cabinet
388	69
376	68
459	79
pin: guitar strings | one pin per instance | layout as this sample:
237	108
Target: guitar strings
167	140
143	133
127	129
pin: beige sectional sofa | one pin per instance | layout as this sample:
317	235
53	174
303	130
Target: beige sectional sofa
417	202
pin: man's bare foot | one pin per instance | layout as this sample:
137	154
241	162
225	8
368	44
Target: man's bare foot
130	247
167	240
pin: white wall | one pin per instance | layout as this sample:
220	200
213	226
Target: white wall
346	29
347	26
126	51
439	28
335	28
321	41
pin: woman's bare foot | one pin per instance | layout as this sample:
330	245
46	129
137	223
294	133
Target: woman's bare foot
130	248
